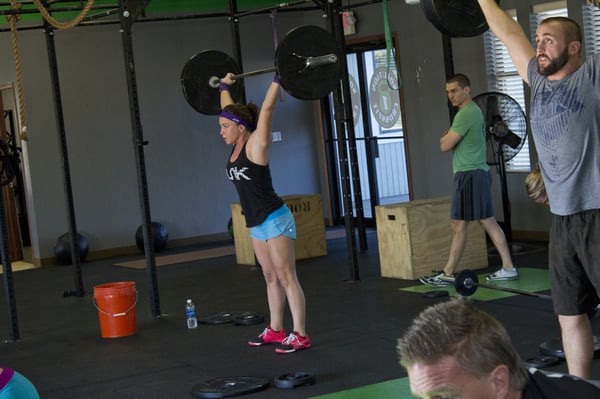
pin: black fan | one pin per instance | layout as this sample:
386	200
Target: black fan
506	132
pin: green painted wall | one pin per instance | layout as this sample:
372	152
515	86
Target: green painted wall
31	15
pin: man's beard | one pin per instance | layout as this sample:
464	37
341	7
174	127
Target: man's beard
555	65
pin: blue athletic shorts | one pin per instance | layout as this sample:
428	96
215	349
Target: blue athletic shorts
472	199
279	222
574	258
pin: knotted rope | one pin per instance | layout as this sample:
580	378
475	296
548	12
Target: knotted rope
13	19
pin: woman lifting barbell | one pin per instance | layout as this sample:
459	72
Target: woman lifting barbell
272	225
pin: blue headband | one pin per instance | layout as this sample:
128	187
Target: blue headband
237	119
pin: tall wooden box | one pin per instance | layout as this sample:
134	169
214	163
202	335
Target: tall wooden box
310	228
414	239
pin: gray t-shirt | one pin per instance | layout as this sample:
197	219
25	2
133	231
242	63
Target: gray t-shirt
565	122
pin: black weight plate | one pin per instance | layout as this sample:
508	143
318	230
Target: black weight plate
554	347
229	386
540	362
456	18
293	380
218	318
436	294
466	282
196	75
248	319
290	60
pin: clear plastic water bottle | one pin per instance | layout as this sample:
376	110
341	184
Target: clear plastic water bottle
190	314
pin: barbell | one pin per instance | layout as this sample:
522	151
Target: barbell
466	283
306	61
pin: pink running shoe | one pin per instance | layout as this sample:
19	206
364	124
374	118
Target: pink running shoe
293	343
268	336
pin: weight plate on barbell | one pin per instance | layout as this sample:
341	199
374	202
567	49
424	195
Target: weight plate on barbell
195	77
456	18
466	282
290	60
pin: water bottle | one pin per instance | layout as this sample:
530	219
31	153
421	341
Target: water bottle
190	314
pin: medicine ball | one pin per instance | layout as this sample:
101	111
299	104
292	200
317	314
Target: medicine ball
160	236
62	249
230	227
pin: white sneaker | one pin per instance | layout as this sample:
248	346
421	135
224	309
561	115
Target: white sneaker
436	280
504	275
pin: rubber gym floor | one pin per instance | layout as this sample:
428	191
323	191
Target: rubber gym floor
353	327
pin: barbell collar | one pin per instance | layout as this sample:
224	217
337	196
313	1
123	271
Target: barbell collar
320	60
310	62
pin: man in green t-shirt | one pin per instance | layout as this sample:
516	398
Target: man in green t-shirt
472	199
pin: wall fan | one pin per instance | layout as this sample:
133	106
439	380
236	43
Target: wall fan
506	132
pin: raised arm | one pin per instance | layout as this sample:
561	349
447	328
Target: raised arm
225	96
260	140
510	33
264	126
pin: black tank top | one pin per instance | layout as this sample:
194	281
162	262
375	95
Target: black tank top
254	187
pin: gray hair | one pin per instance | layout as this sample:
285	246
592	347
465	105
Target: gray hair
457	328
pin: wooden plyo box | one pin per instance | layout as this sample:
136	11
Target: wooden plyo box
310	229
414	239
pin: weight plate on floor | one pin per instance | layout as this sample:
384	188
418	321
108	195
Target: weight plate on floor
229	386
540	362
218	318
436	294
248	319
554	347
293	380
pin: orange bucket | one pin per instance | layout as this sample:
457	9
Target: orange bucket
116	308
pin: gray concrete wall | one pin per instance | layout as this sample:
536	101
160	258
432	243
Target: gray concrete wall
185	157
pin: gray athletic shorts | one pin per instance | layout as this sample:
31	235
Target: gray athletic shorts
472	199
574	260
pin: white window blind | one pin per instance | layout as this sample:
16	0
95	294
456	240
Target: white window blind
591	29
503	77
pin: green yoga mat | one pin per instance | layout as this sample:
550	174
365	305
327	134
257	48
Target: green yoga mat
531	280
397	389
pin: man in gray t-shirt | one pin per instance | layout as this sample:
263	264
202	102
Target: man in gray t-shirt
565	122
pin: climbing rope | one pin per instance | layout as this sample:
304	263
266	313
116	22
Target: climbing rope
63	25
594	2
13	19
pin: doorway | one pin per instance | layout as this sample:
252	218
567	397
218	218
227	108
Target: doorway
378	119
15	203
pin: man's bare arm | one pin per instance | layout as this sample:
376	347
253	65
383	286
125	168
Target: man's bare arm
510	33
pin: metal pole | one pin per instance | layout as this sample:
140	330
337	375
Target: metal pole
9	291
338	31
129	10
341	119
64	153
235	39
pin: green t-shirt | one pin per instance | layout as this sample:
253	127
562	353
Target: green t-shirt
470	152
